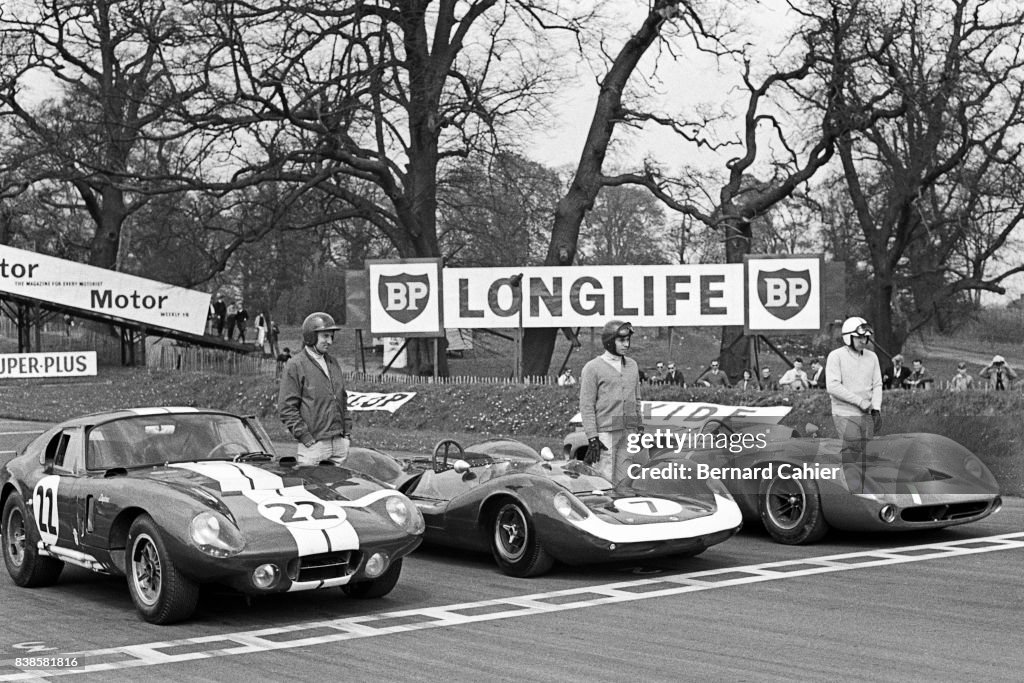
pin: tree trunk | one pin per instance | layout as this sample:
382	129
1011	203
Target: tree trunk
732	354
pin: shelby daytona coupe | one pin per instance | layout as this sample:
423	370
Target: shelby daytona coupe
176	497
799	487
529	510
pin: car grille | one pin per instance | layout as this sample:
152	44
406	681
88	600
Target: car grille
940	513
323	566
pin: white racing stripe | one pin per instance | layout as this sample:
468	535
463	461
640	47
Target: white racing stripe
443	616
316	525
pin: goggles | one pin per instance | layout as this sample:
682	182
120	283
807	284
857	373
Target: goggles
863	330
624	332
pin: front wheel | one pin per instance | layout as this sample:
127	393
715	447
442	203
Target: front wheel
26	566
514	543
791	510
375	588
162	594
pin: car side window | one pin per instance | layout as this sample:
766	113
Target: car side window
54	454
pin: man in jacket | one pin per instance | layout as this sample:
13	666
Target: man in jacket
312	402
610	403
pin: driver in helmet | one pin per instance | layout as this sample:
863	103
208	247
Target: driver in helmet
311	401
610	403
853	379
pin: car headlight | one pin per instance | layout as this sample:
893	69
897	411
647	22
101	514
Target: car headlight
570	507
718	487
974	467
404	514
215	535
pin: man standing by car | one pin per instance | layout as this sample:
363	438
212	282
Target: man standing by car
853	379
312	402
610	403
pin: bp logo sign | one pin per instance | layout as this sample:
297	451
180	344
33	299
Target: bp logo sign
784	293
404	296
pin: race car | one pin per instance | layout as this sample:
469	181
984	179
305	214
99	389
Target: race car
177	497
529	510
799	486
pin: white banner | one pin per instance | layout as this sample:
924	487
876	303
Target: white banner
51	364
362	401
693	414
85	287
588	296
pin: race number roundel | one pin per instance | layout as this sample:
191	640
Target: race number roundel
44	508
653	507
303	514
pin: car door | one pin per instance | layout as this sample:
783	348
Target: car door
53	502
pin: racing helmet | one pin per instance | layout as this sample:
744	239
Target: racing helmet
613	329
855	325
314	324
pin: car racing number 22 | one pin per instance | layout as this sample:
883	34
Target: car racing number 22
304	514
44	504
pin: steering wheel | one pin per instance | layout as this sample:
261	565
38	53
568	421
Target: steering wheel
712	426
223	446
441	450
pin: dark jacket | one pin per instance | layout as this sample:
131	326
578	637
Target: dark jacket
893	379
312	406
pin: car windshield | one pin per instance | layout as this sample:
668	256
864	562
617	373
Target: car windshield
144	440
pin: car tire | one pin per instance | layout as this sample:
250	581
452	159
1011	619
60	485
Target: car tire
514	542
791	510
375	588
161	593
26	566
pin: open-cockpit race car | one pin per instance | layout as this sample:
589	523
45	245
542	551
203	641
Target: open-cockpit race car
176	497
799	487
530	510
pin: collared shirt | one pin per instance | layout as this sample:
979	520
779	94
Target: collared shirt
611	359
318	358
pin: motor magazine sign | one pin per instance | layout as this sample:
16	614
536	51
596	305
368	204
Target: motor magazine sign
587	296
50	364
783	293
405	298
89	288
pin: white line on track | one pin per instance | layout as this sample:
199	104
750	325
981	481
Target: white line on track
368	626
34	431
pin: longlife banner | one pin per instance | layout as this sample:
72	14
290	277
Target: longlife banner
108	292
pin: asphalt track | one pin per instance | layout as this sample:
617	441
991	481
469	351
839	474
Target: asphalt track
944	605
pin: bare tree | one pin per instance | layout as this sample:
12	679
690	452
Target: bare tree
937	191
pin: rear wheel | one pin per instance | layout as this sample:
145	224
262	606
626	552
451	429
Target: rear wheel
26	566
791	510
161	593
375	588
514	543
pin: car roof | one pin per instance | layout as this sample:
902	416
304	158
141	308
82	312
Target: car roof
109	415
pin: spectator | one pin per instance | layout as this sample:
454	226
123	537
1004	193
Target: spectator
768	382
747	382
68	324
714	377
610	403
282	358
566	379
229	321
999	375
919	377
261	329
817	374
673	376
220	311
312	402
241	318
962	380
896	375
657	375
795	379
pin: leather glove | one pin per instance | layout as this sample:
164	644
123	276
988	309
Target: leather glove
876	418
594	451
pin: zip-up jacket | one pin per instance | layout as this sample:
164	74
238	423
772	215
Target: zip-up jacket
609	399
312	406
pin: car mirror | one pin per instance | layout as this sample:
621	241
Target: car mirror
547	454
461	466
811	429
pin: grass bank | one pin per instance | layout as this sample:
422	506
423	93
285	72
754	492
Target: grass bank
986	422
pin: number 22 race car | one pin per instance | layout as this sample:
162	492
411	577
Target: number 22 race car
176	497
